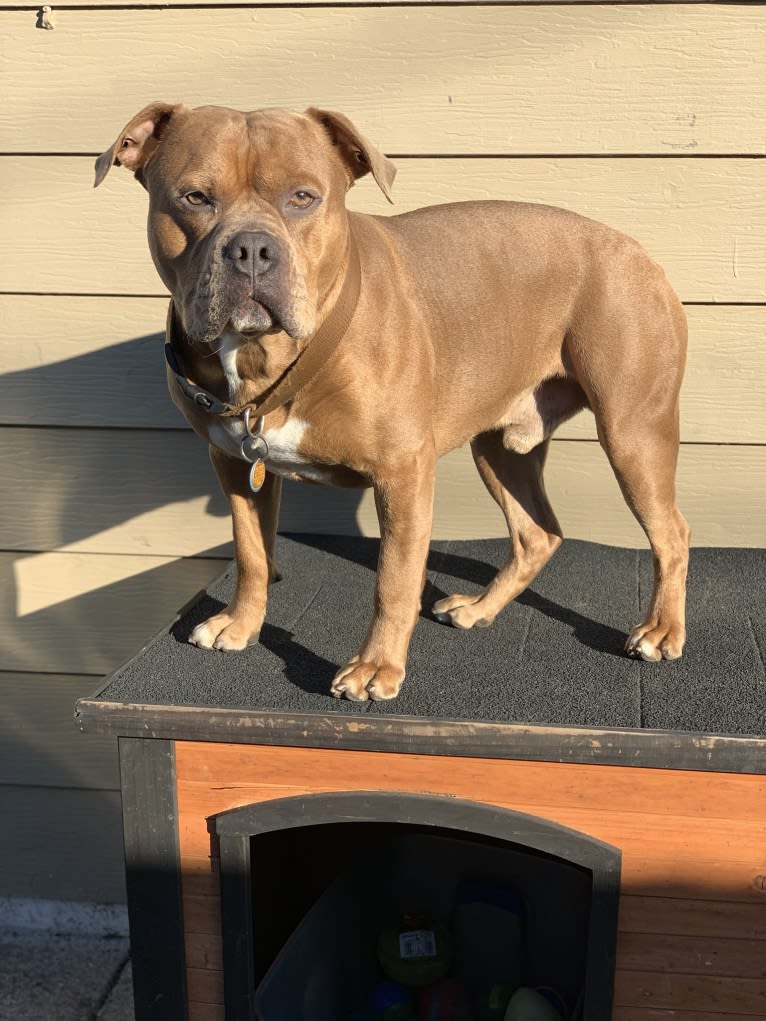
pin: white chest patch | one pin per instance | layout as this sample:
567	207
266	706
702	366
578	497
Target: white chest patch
227	355
284	458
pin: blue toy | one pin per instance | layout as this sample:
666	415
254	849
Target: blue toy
390	1001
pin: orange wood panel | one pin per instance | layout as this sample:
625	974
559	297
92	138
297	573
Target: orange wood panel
693	843
198	880
202	914
634	789
697	880
203	948
709	839
200	802
650	1014
661	855
692	955
728	996
678	917
204	985
206	1012
202	952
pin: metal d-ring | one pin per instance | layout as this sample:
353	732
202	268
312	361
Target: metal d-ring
253	446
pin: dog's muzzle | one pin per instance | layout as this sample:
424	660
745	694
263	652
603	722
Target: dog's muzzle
253	261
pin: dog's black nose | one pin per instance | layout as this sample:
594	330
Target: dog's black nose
253	252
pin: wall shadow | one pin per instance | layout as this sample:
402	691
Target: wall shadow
92	447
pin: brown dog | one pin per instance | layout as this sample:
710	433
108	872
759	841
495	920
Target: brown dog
337	347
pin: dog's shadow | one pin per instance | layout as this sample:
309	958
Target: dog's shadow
313	672
305	668
586	631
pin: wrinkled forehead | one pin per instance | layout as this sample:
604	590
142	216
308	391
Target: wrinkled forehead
264	148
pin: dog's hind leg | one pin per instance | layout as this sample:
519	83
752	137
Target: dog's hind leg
634	377
515	481
645	469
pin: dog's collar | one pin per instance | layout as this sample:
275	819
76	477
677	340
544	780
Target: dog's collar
297	374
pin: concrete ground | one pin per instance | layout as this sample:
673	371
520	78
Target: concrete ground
62	968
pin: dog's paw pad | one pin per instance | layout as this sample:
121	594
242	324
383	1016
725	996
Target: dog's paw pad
386	683
340	689
360	680
345	684
653	645
671	650
463	612
221	634
646	651
203	636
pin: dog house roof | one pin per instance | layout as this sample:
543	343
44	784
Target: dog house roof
547	680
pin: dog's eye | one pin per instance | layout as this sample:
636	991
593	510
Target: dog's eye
302	200
197	198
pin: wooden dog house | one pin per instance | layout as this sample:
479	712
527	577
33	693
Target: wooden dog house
626	800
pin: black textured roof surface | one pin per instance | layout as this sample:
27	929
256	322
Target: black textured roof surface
553	657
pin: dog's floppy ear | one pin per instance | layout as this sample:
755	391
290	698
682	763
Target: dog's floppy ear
137	141
359	155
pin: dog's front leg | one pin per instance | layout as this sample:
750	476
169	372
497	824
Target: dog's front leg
254	520
404	502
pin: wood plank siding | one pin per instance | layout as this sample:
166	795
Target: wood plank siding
439	79
692	934
647	116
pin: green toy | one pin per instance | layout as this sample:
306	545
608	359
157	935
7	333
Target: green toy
415	951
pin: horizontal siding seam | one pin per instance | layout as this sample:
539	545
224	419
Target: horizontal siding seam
138	296
165	558
64	674
184	430
153	5
73	788
659	155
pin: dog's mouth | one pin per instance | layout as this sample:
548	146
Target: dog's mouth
252	317
250	309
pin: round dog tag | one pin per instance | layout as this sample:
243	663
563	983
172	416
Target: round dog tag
257	475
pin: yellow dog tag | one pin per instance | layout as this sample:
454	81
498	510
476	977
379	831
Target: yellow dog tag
257	474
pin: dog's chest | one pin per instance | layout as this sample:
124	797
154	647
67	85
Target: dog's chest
285	457
284	442
292	445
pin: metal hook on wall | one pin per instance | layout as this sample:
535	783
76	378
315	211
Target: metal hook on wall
45	18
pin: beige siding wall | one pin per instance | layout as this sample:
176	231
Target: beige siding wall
649	117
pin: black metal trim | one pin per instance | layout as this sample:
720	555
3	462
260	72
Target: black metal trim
153	878
237	928
235	827
652	749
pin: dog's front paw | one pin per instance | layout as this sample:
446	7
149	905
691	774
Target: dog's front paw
653	642
361	679
224	632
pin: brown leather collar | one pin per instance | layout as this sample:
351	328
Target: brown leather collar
298	373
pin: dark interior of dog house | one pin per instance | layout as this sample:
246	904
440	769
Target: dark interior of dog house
415	920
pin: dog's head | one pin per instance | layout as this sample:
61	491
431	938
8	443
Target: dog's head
247	221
